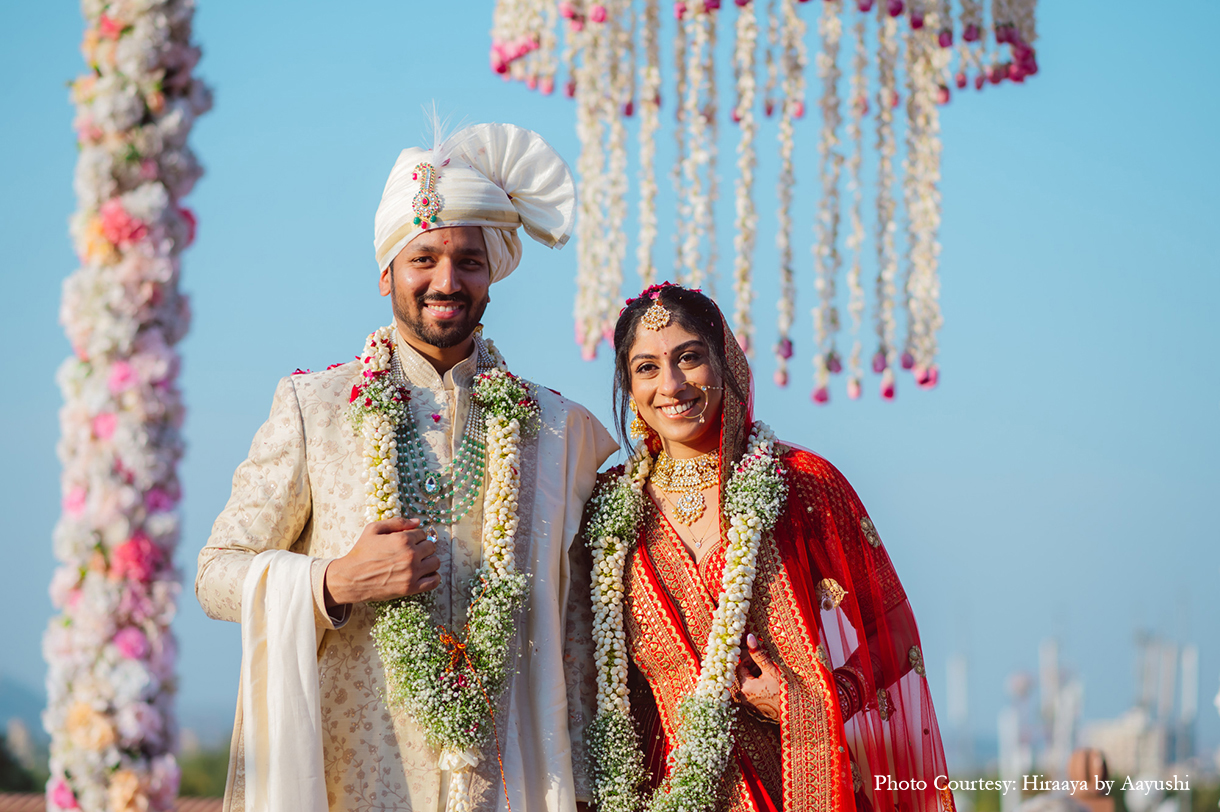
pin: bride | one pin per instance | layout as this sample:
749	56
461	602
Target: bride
755	649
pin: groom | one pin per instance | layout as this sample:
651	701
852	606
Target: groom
297	558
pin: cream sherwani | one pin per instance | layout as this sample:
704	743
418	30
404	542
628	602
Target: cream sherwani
300	490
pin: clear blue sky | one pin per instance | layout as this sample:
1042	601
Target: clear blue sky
1061	481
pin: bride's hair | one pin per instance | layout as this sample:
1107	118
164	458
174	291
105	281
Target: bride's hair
688	308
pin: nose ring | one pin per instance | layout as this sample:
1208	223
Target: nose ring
704	388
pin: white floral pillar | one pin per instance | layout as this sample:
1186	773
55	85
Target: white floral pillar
110	652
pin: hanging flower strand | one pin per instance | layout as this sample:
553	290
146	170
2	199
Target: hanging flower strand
887	263
855	240
792	35
650	103
744	238
827	259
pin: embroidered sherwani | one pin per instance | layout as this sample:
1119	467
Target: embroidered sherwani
301	490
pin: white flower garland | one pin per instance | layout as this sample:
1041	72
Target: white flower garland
753	499
855	240
744	66
650	103
887	263
792	67
446	685
110	649
827	260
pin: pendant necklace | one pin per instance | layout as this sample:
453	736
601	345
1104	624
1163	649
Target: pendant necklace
688	479
424	492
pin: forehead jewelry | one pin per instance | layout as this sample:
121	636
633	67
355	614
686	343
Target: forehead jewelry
427	202
655	317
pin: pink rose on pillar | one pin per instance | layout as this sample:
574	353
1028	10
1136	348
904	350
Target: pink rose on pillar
136	559
61	795
131	643
118	226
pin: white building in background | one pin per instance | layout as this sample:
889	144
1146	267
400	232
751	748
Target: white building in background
1151	737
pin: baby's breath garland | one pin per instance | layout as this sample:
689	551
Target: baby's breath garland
752	499
446	680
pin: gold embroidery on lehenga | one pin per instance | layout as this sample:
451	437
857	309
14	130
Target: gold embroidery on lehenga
662	649
822	656
830	594
811	727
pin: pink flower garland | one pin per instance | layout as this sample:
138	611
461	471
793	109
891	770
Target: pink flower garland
110	652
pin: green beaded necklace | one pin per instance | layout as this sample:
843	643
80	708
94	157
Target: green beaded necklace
424	492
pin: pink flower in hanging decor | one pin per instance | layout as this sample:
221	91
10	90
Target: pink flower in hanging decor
908	360
895	8
888	389
784	348
942	94
945	39
928	378
136	559
971	34
880	362
821	395
597	14
781	378
960	80
567	10
854	389
122	377
118	226
547	85
131	643
916	20
61	795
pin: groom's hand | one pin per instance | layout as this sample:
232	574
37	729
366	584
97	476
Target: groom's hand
391	558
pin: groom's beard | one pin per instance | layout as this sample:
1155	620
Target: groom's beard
411	311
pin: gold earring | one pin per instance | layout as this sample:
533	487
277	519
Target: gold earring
638	427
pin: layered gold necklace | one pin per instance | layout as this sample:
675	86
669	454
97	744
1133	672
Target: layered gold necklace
688	478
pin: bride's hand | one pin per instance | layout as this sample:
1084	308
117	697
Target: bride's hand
761	680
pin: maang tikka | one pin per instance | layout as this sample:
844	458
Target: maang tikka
655	317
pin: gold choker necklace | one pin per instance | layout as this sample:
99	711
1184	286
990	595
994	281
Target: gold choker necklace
688	478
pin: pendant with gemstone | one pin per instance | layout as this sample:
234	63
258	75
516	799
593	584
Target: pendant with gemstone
431	486
690	507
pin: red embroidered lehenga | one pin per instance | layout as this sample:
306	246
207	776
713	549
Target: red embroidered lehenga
829	609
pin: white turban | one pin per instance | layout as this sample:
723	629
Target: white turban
495	176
